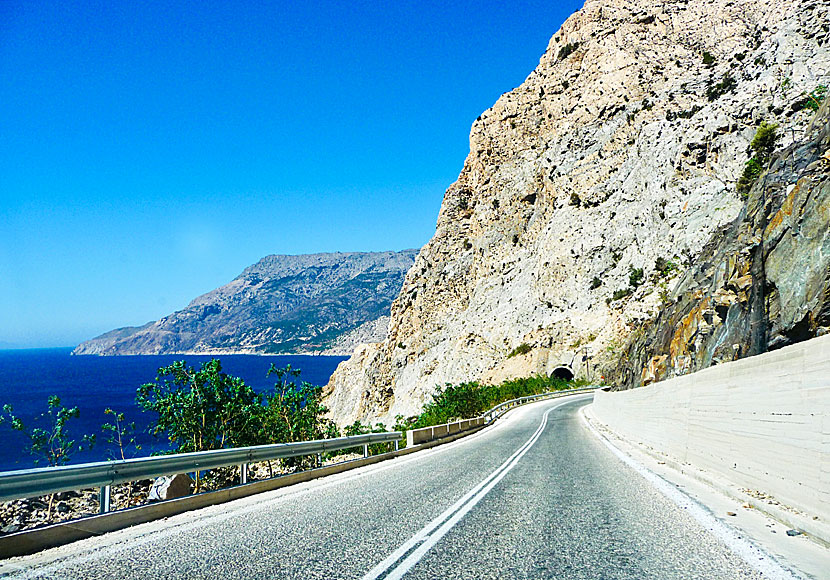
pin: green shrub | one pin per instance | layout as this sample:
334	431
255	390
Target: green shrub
567	50
816	98
358	428
763	144
764	141
752	170
622	293
708	59
635	277
467	400
523	348
596	283
664	267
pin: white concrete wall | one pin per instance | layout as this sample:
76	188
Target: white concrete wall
762	422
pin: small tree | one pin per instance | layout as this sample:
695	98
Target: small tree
816	98
51	443
202	409
120	433
763	144
294	412
635	277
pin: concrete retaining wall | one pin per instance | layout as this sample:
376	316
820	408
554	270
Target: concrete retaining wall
762	423
425	434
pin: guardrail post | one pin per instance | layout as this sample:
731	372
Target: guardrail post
320	460
365	450
243	473
104	498
397	444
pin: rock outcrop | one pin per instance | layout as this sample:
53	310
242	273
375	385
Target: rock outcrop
760	284
589	191
320	303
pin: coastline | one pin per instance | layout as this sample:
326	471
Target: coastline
215	352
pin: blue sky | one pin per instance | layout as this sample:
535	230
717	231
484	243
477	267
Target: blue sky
151	151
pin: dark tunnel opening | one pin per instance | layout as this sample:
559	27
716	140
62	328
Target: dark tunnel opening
563	372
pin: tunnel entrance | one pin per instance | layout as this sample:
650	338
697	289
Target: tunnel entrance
563	372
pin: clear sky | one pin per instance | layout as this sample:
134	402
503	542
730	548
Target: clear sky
150	151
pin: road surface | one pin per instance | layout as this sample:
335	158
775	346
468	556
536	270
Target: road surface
535	496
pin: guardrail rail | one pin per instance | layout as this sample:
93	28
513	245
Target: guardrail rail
103	474
425	434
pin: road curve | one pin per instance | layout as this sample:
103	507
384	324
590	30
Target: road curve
535	496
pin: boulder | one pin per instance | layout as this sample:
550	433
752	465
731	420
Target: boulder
170	487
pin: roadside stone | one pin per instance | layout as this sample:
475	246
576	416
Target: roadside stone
793	533
731	514
170	487
9	529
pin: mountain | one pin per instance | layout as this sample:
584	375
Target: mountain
589	191
320	303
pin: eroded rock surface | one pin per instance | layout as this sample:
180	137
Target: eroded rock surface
588	191
761	283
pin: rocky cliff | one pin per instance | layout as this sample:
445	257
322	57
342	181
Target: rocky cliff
759	284
323	303
589	191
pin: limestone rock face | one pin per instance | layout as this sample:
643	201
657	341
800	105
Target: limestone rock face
588	191
320	303
762	283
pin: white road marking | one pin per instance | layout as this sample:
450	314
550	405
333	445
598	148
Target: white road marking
428	536
749	552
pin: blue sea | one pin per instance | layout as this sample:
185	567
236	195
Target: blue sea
92	383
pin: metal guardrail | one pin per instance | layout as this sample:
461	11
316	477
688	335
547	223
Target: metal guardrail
45	480
103	474
501	409
433	432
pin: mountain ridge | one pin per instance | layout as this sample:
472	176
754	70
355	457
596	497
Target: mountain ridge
325	303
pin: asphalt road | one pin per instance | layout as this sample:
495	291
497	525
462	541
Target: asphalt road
535	496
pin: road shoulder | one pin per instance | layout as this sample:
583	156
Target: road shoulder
807	557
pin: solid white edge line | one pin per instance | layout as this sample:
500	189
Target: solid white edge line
752	554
